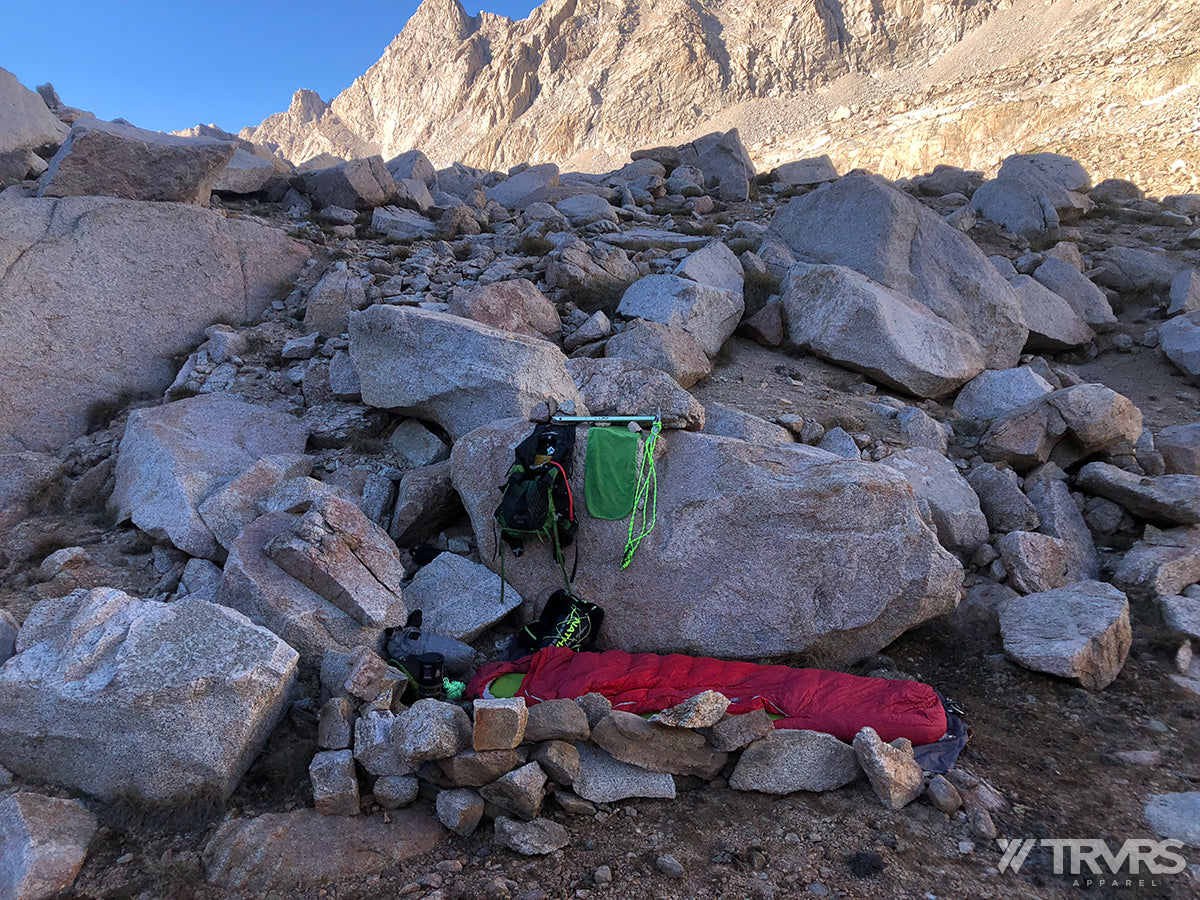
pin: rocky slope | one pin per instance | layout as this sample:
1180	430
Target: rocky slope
881	85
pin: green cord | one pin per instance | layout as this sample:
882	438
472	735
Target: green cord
454	689
645	495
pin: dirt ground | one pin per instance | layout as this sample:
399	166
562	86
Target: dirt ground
1046	746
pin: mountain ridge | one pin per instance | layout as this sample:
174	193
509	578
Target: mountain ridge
583	82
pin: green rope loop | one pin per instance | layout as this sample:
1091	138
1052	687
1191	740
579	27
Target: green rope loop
645	497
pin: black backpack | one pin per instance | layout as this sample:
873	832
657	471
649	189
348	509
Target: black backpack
537	502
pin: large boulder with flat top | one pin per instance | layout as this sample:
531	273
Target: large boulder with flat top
123	161
757	550
862	222
144	702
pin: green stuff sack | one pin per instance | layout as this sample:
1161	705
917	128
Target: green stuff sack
610	473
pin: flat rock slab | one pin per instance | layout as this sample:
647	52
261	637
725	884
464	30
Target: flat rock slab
281	851
1176	816
71	283
1080	631
123	161
636	239
603	779
459	598
789	760
173	456
133	700
43	842
25	121
1169	499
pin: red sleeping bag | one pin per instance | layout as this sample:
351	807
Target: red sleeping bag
812	699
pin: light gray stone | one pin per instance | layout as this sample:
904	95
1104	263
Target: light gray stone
460	810
1150	570
621	387
659	748
583	209
459	598
723	159
789	760
192	268
25	121
895	776
230	508
1084	296
413	164
703	710
516	305
1175	816
1180	447
804	172
864	223
1004	505
1166	499
556	720
43	840
335	725
8	636
519	792
1132	270
133	700
396	791
993	393
410	361
173	457
671	350
416	446
257	587
402	224
1065	427
844	317
499	723
867	579
960	522
596	328
472	768
513	192
357	184
377	746
335	786
1180	341
536	838
1035	562
716	266
1047	490
603	779
1052	321
1181	615
430	730
730	422
122	161
338	293
425	503
337	552
245	173
708	314
558	759
1080	632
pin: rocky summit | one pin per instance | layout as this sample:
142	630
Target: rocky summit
906	394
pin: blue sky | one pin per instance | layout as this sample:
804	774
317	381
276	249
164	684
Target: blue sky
172	65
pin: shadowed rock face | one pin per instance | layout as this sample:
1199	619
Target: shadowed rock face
507	92
810	554
77	273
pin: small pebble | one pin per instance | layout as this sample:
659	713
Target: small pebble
602	875
669	866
